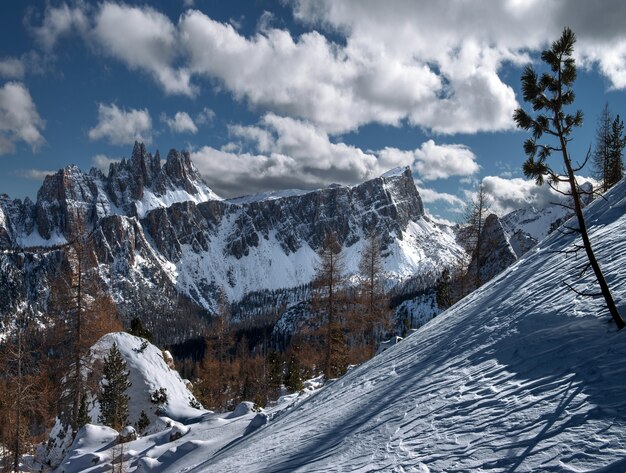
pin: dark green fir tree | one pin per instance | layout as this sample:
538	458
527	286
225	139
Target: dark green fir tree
113	398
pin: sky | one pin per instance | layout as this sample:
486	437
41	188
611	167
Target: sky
269	95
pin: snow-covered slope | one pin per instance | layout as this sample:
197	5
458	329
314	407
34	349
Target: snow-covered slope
523	375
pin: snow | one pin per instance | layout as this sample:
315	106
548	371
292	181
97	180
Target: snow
151	201
148	372
266	266
34	239
522	375
270	195
395	172
425	247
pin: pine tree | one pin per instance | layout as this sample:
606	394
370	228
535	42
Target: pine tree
83	412
293	381
275	370
137	329
601	152
142	423
615	164
443	291
113	398
549	95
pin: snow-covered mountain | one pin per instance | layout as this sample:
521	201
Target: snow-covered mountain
522	375
161	236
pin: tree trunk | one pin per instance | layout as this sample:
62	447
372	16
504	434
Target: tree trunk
582	228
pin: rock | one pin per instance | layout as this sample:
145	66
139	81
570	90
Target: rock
128	434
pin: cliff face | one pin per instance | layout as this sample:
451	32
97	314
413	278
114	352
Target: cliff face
163	240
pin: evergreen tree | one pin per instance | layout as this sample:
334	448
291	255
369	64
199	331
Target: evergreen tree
83	412
143	422
113	398
275	370
293	381
601	151
443	290
615	164
549	95
137	329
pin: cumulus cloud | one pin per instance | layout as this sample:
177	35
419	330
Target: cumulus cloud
432	161
120	126
426	64
19	119
430	196
180	123
282	152
144	39
59	21
511	194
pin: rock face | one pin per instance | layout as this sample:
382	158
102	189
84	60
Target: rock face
165	245
496	252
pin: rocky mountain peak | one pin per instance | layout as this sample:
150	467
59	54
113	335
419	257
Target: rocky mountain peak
181	172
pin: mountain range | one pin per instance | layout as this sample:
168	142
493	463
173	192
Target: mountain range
167	248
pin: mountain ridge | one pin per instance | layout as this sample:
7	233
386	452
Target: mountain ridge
160	234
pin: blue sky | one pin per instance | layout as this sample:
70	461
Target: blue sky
269	95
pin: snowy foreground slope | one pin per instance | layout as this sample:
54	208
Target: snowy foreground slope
523	375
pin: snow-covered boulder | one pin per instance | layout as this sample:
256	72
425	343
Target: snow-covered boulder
242	409
151	380
148	372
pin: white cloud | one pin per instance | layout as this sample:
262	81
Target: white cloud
432	161
121	126
431	65
34	174
205	117
59	21
144	39
19	119
102	162
511	194
282	152
181	123
430	196
12	68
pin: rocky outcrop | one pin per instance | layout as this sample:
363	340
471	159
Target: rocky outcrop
496	253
